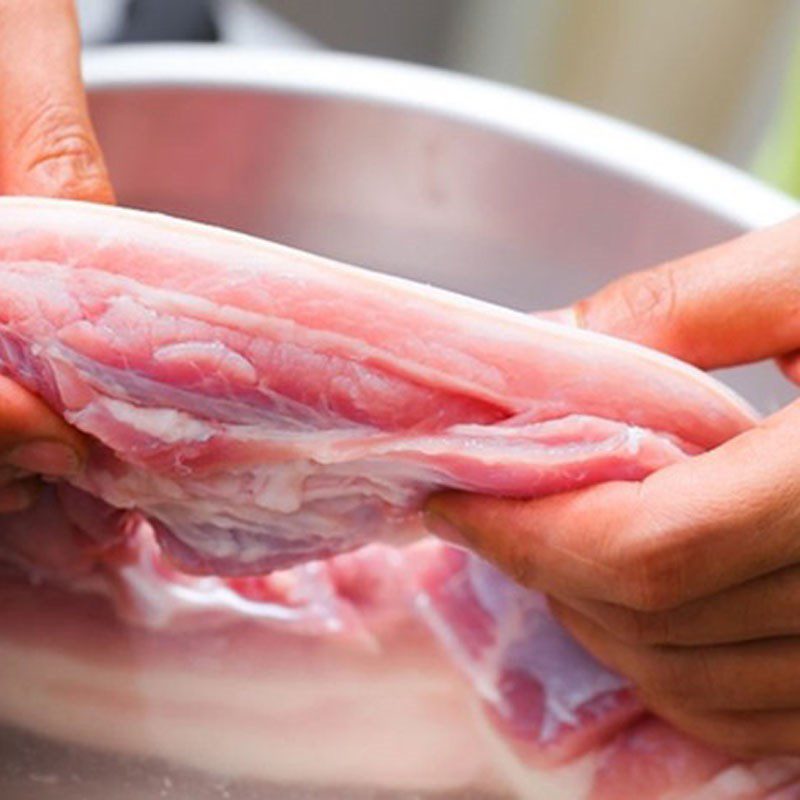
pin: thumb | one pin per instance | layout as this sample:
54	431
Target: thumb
47	145
32	437
731	304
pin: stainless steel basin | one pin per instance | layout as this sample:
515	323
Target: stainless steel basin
488	190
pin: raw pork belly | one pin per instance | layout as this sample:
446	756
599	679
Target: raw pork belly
263	407
250	407
240	679
558	724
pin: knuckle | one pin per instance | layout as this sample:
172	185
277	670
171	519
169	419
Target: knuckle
521	570
738	738
55	142
647	584
659	678
650	565
677	681
647	593
641	627
650	295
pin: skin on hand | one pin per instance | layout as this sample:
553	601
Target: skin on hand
47	144
687	582
48	148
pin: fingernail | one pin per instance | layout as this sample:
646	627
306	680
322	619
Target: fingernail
44	458
444	529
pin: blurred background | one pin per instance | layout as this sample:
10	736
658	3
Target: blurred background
717	75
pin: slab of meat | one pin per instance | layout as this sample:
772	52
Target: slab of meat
227	689
263	407
560	723
223	682
548	696
251	407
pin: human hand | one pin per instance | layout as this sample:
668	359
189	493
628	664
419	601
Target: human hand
689	581
47	147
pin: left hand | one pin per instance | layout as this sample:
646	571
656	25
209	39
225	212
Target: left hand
688	582
48	148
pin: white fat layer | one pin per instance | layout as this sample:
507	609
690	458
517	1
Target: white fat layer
397	728
165	424
326	489
157	604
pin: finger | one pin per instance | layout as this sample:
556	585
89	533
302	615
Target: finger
18	496
10	474
730	304
32	437
790	365
761	675
745	734
687	531
763	608
47	144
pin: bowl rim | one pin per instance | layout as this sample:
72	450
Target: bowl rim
610	144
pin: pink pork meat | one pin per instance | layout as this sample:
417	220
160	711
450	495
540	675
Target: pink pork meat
262	407
235	681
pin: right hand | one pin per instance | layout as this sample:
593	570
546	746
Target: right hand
688	582
47	148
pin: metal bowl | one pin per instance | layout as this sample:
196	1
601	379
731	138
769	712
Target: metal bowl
495	192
